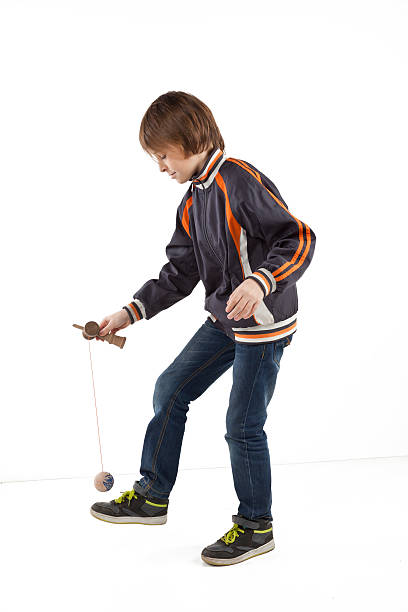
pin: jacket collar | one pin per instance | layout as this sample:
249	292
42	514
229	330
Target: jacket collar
212	164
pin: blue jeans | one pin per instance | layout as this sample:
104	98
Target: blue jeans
209	354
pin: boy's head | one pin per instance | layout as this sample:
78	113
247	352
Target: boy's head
179	131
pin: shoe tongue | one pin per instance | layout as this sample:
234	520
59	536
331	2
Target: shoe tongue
244	523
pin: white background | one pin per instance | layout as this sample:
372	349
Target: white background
315	96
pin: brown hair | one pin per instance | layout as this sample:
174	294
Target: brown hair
182	120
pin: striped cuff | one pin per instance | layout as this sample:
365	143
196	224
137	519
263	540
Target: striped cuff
135	310
265	279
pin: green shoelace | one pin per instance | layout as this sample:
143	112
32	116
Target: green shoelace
232	534
129	495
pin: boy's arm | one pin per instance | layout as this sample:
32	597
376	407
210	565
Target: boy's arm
176	281
260	210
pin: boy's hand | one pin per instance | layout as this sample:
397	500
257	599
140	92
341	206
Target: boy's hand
244	300
114	322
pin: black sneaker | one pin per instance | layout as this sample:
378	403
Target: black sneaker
132	508
246	539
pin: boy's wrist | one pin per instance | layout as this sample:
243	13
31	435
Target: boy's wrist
259	283
128	313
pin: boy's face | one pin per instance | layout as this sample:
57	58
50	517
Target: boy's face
171	160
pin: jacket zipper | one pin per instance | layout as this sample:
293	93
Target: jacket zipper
205	230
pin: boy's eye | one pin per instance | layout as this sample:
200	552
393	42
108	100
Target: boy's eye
163	157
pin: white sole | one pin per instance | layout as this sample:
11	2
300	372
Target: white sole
143	520
251	553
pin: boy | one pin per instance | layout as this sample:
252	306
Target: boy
235	233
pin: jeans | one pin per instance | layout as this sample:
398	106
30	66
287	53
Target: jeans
209	354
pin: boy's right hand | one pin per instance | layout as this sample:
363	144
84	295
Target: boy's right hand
114	322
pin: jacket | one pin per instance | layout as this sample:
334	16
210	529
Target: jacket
233	224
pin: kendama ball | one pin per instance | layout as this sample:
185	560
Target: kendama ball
103	481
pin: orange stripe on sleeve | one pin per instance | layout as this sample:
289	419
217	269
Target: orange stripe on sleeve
277	273
135	311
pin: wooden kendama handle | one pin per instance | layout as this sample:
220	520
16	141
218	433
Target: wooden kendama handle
91	330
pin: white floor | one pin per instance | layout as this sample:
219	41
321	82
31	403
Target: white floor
340	528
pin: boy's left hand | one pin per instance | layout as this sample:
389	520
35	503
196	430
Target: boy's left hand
244	300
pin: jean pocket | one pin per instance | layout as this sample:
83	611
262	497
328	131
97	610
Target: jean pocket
288	340
210	323
278	347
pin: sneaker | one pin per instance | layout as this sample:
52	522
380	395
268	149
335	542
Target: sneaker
246	539
132	508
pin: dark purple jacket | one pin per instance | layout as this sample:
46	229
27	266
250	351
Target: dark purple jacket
232	224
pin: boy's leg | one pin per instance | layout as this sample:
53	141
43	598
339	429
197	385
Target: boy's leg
255	370
203	360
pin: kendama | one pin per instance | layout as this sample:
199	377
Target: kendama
103	481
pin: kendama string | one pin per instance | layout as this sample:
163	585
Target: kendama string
97	422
